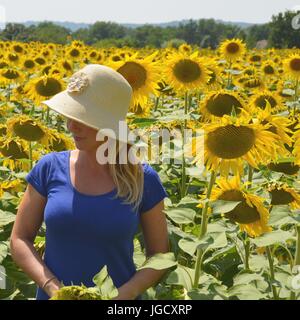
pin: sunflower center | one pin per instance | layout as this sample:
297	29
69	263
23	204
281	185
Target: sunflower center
269	69
134	73
232	48
58	145
48	88
284	167
28	131
11	74
262	100
40	61
230	142
281	197
14	151
255	58
74	53
222	104
67	66
29	64
187	71
242	213
295	64
253	83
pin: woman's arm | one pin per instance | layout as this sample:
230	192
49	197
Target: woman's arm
154	227
28	221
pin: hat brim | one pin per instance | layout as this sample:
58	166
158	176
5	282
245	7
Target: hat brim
61	103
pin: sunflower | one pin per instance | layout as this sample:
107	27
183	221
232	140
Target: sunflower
292	66
185	72
232	49
60	141
10	75
261	98
14	149
141	111
296	150
219	103
215	80
28	64
278	125
289	167
250	213
41	88
185	48
142	75
230	141
268	68
15	185
29	129
282	194
252	83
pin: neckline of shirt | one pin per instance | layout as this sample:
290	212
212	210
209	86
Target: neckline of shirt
78	192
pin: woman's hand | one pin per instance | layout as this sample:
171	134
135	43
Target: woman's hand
124	294
52	286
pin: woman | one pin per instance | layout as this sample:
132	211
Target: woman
91	210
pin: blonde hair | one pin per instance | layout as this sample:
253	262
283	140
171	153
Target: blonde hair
129	179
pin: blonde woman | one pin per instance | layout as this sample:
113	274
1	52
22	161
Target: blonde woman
91	210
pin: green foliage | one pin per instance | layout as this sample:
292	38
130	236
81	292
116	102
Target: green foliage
204	33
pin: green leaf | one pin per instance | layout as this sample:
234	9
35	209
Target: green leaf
143	122
280	216
246	292
181	215
160	261
183	276
6	218
221	206
3	250
270	238
245	278
105	284
188	245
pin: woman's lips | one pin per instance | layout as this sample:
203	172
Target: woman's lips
78	138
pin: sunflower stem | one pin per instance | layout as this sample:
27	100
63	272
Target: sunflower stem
297	258
229	75
250	176
47	115
247	253
272	273
203	229
156	103
183	171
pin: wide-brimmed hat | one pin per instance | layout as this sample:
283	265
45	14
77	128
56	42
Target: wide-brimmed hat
98	97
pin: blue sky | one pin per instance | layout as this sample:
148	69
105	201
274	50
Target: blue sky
141	11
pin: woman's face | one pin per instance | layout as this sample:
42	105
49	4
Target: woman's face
84	136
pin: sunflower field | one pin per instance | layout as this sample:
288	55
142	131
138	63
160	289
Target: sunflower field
233	214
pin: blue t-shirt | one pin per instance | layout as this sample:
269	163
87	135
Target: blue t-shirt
85	232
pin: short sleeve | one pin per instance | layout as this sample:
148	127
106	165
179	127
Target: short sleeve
39	175
154	191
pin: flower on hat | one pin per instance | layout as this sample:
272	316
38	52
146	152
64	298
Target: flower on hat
78	82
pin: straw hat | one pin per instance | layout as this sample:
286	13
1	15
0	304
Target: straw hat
98	97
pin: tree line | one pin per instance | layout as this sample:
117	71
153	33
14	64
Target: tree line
280	32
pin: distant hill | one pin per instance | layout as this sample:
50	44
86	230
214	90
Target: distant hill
73	26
